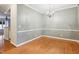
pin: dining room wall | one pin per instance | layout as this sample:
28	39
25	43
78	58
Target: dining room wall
64	23
28	23
31	24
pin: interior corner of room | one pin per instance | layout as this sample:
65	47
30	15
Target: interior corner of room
31	21
23	23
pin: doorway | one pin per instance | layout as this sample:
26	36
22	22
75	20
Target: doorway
4	30
2	25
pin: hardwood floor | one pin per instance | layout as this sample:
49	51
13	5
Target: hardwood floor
46	45
6	46
1	45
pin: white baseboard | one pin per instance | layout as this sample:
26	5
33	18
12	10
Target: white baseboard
25	41
45	36
61	38
13	43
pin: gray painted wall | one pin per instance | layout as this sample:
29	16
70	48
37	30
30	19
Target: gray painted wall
63	34
64	19
67	19
27	19
25	36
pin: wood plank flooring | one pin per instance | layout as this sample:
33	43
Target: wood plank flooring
46	45
5	46
8	45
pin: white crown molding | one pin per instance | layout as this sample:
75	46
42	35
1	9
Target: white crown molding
54	10
60	9
33	8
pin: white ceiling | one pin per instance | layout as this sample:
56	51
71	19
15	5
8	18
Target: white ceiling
43	8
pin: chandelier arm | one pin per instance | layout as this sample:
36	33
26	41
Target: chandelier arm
50	11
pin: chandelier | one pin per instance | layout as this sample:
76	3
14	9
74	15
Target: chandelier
50	12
